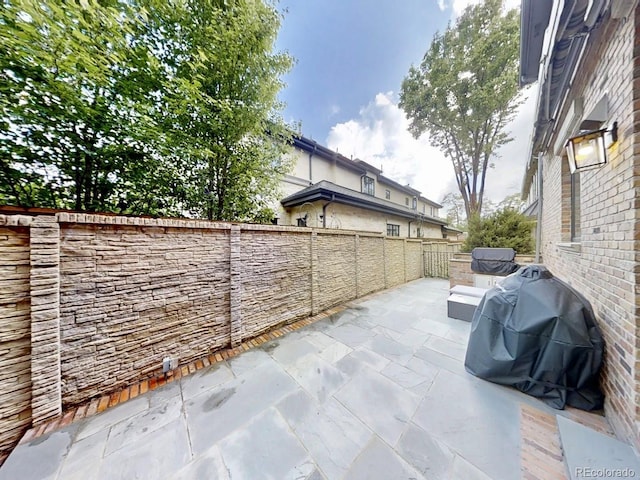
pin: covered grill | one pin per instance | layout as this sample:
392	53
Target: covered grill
493	261
536	333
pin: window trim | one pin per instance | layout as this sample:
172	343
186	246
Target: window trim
368	185
393	230
575	207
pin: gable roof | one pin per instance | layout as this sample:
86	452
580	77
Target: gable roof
357	165
328	191
315	148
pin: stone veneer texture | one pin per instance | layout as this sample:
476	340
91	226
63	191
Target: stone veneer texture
15	334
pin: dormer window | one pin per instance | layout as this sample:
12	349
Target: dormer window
368	186
414	204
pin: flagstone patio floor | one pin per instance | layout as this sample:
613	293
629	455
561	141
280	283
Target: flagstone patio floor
375	391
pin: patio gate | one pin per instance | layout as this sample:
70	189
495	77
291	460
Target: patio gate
436	256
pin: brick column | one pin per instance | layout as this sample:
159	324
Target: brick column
46	397
235	280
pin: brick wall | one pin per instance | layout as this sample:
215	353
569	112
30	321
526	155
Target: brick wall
603	265
460	272
91	303
15	332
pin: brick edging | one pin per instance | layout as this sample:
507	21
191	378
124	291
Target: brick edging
109	400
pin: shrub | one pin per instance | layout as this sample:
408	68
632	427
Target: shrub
505	228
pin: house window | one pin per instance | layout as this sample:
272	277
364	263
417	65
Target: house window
414	203
424	208
406	201
302	222
368	186
387	194
570	197
393	230
419	233
575	207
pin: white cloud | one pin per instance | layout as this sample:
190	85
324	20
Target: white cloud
459	6
442	5
380	136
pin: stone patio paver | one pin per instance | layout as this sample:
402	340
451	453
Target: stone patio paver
374	391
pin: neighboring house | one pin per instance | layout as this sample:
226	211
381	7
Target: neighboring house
326	189
585	55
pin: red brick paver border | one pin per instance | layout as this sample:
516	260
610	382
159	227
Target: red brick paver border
541	452
111	399
541	448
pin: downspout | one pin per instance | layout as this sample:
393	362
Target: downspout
315	147
539	215
324	210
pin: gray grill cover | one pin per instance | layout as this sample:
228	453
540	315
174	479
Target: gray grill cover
493	261
536	333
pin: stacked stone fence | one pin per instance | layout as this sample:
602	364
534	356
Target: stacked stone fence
91	303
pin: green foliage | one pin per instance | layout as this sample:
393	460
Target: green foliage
454	205
75	129
506	228
465	91
220	108
146	107
513	201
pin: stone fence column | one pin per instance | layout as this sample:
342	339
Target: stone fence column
357	251
235	291
46	397
315	264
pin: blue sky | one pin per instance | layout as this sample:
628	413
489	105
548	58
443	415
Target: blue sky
351	57
347	51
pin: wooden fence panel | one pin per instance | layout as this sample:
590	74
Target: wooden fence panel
436	256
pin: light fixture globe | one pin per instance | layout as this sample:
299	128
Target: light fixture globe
589	150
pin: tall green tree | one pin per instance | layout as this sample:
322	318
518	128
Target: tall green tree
74	105
145	106
455	210
221	105
465	91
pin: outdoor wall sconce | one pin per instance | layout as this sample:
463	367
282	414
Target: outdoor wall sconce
589	150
